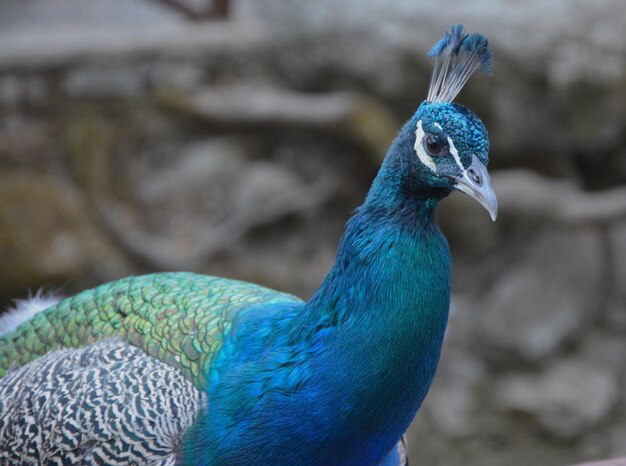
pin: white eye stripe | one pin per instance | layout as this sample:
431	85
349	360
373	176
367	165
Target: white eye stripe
419	148
455	154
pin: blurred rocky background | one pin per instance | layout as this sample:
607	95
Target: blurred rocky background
235	137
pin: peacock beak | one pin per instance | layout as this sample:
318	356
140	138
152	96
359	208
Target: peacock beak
476	183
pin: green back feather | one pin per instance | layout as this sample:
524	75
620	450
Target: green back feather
178	318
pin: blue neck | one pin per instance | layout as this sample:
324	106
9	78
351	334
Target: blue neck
356	360
388	297
378	265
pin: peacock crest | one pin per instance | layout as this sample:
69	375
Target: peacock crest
457	56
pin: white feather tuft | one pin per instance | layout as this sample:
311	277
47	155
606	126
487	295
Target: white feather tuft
25	309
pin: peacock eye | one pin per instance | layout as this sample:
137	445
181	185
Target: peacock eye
434	145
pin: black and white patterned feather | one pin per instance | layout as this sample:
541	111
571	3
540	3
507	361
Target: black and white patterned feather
108	403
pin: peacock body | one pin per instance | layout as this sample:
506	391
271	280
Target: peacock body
179	368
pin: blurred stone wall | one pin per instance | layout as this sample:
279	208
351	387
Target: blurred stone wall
133	139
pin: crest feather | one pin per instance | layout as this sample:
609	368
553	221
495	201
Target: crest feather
457	56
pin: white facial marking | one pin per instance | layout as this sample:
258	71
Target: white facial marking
455	154
457	159
419	148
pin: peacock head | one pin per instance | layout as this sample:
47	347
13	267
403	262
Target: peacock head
450	140
445	146
452	146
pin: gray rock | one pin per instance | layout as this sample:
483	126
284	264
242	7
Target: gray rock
545	298
616	312
78	14
568	399
263	181
452	404
197	164
606	348
618	440
129	80
48	238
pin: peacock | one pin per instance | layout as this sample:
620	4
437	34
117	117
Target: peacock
187	369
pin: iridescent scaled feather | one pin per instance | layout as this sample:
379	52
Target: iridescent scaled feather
178	318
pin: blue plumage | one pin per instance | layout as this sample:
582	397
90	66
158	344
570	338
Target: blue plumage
451	41
478	45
